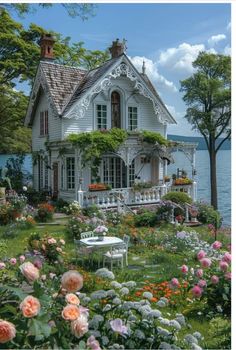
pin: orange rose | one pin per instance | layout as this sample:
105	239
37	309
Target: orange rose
72	299
30	306
30	272
72	281
7	331
79	327
70	312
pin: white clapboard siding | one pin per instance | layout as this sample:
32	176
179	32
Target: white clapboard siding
54	126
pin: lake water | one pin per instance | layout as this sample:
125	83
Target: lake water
203	177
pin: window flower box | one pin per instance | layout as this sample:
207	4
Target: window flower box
182	181
99	187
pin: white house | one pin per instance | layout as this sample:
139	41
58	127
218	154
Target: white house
66	100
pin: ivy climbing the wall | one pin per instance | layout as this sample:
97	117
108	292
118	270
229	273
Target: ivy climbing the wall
93	145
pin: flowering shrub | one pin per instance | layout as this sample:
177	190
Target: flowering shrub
45	212
182	181
208	215
211	279
77	225
50	248
72	209
101	230
25	222
41	312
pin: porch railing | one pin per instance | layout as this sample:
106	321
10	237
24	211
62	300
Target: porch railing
106	199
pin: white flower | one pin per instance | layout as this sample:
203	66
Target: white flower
105	273
161	303
165	346
190	339
175	324
181	319
164	321
124	291
148	295
99	294
116	301
139	334
129	284
154	314
164	332
115	285
106	308
197	335
24	188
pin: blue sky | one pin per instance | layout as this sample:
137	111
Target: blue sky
168	36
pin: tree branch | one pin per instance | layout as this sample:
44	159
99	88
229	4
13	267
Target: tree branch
221	143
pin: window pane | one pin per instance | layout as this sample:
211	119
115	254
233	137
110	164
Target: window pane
101	116
70	167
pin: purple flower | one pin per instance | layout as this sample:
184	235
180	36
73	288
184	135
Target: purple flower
117	326
93	344
181	235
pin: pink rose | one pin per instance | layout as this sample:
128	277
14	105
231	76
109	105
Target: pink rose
216	245
2	265
58	249
62	241
80	326
202	283
228	275
52	241
30	272
184	268
43	277
199	273
227	257
201	254
13	261
214	279
7	331
223	265
196	291
93	344
174	282
22	259
38	263
72	281
205	262
30	306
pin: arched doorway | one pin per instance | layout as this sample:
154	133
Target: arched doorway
115	110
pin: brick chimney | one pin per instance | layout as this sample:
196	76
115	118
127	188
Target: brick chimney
117	48
46	44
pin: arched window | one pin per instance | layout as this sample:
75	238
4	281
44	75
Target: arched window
115	110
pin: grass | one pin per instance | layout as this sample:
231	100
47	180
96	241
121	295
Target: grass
145	263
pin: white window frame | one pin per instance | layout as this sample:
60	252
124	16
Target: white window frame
128	119
44	119
70	188
100	103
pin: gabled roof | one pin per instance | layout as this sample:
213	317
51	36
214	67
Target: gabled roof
65	85
62	81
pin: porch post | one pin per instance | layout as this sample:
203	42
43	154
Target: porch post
76	173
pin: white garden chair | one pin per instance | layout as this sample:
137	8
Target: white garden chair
87	234
115	255
83	251
126	240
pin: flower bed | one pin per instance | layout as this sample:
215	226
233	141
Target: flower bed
99	187
182	181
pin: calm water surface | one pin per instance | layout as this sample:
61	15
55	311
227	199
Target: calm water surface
203	177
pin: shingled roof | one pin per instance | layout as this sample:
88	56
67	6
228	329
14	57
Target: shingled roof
89	80
62	81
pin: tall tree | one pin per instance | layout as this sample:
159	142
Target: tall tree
208	95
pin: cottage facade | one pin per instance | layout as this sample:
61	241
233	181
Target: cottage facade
66	100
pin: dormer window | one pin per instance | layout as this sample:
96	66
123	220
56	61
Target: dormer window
101	117
44	123
115	110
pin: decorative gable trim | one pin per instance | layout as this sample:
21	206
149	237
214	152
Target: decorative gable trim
122	69
39	82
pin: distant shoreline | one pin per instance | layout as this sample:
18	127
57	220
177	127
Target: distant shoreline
200	140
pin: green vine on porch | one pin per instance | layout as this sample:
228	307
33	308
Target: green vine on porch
153	137
92	145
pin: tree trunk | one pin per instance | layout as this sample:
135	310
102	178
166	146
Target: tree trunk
213	180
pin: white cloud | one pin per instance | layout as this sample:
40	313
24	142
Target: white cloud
180	58
227	50
214	39
152	72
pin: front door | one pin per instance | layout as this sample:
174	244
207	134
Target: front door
154	170
55	179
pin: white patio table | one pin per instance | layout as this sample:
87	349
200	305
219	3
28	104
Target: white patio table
107	242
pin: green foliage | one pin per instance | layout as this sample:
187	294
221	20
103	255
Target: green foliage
208	215
219	334
177	197
92	210
147	218
15	172
92	145
154	137
141	185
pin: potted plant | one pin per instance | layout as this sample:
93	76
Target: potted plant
101	232
167	178
99	187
